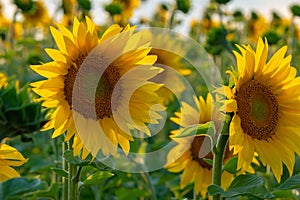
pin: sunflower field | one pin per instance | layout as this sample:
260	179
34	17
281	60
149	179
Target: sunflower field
99	102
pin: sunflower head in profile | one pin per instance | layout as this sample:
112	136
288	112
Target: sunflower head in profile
266	104
171	62
257	26
38	14
99	88
9	156
129	6
190	152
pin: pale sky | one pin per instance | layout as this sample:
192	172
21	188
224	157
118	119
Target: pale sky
148	7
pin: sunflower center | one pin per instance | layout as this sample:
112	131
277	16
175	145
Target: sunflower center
104	91
85	99
258	109
195	151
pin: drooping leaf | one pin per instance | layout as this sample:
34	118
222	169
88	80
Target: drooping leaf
198	129
97	178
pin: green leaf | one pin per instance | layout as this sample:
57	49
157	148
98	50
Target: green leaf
49	193
283	194
291	183
207	129
19	186
208	161
97	178
198	129
215	190
231	165
61	172
243	185
68	155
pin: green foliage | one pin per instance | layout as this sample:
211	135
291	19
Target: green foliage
114	9
291	183
183	5
216	41
85	4
231	165
249	185
51	192
272	37
238	15
14	188
295	9
97	178
25	6
19	113
76	160
199	129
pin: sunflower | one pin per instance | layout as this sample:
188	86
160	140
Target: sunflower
265	102
123	52
257	26
129	6
38	15
3	80
186	154
9	156
171	63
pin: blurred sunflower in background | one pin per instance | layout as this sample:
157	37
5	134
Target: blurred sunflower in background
9	156
4	22
68	7
257	26
129	7
190	153
38	15
172	65
121	51
3	80
266	106
122	10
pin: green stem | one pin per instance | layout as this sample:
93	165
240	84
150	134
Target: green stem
147	180
218	161
73	179
65	167
12	29
72	193
172	18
